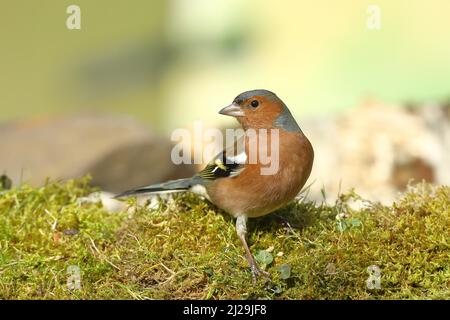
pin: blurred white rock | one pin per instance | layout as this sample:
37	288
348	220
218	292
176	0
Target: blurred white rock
377	149
106	199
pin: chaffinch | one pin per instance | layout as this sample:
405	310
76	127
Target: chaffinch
237	183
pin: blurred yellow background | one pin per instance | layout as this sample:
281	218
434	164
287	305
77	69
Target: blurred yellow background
172	62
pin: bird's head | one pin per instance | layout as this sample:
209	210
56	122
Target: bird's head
260	109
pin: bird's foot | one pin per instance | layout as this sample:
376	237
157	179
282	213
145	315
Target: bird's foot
258	272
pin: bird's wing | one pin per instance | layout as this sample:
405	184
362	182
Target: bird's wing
228	163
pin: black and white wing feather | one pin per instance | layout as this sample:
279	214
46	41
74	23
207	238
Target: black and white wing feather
229	163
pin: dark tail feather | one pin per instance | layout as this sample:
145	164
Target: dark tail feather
169	186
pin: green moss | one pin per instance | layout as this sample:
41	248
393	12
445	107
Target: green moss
187	248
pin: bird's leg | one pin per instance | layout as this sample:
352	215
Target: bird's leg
241	229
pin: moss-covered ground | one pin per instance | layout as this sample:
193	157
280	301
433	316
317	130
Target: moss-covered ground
187	249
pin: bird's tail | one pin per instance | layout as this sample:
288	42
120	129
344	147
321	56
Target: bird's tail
180	185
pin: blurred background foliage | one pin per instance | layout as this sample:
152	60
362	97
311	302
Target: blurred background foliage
172	62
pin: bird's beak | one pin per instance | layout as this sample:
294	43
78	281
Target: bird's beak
232	110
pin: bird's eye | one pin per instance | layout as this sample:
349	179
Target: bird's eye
254	103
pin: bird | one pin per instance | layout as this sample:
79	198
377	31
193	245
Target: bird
235	181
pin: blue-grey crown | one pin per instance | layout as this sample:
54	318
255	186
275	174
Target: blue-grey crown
259	92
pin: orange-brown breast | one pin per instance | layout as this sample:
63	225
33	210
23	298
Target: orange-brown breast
254	194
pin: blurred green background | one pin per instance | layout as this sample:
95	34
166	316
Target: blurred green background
172	62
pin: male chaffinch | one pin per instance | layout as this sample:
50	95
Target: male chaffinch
236	183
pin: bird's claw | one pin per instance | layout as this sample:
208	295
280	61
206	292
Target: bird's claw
258	272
